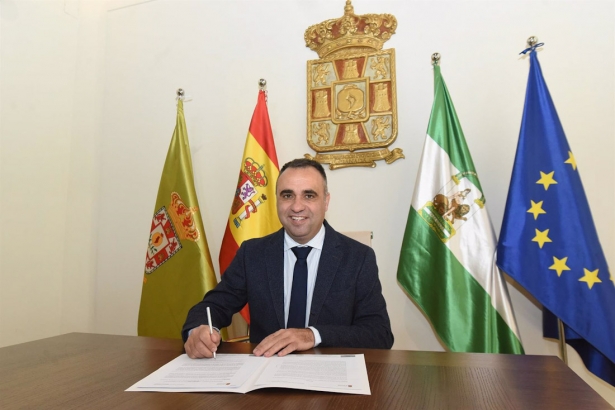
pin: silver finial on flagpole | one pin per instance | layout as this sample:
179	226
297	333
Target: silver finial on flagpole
262	84
435	59
531	41
180	94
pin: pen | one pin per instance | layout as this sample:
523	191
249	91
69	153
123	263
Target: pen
209	323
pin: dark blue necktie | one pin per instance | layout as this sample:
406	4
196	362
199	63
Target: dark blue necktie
298	294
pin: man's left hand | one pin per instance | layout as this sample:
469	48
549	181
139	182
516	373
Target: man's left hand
285	341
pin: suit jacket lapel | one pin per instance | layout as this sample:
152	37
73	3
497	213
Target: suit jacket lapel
275	274
328	265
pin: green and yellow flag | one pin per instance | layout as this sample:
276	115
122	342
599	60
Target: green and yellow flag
178	269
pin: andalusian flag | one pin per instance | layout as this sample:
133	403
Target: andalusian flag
253	213
178	269
447	260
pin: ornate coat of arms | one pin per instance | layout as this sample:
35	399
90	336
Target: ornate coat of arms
252	177
351	96
168	230
450	207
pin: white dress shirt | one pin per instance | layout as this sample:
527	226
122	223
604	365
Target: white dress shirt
312	264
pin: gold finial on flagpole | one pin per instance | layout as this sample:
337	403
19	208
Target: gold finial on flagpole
531	41
180	94
262	84
435	59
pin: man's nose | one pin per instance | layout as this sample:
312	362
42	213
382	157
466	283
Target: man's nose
297	205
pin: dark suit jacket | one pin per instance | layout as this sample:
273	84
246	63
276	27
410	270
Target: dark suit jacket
348	308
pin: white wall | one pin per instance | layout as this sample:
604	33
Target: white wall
87	111
38	66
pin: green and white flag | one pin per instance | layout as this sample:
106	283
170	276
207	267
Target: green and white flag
447	261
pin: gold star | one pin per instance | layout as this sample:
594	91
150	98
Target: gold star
536	209
590	278
571	160
542	237
546	179
559	265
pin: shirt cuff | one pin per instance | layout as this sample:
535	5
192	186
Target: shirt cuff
213	327
317	339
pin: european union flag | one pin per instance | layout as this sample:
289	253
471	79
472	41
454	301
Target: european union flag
548	242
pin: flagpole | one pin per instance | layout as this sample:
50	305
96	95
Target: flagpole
262	86
562	341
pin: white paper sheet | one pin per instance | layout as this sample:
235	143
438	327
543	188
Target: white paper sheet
225	373
333	373
241	373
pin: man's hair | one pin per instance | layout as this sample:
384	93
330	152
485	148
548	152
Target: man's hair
305	163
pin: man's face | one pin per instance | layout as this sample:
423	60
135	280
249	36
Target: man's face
302	202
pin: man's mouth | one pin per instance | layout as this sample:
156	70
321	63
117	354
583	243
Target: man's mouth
297	218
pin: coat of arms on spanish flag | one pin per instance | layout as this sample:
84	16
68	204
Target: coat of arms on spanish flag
253	211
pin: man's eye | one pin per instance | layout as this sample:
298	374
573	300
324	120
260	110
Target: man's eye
309	196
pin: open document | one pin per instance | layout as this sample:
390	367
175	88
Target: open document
241	373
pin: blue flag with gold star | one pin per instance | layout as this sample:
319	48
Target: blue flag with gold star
548	242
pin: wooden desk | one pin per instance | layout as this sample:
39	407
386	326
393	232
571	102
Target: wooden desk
90	371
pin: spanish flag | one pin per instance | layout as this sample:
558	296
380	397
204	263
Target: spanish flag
253	212
178	269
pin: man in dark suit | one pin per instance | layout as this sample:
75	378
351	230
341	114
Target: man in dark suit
335	299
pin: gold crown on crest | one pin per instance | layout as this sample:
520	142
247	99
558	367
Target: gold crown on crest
367	31
255	172
183	218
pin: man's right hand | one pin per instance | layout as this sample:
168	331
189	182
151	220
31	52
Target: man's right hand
202	344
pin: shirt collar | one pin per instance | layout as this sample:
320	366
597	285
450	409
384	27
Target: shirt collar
316	242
